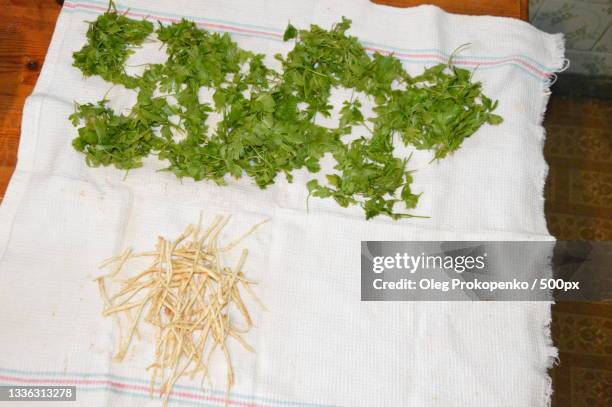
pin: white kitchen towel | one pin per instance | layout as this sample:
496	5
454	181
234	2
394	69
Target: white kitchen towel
317	344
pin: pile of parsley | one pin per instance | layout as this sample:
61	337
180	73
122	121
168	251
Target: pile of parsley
269	118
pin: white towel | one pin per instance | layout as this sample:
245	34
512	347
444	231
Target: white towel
318	344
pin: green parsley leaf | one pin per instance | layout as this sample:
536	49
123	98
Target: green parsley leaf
268	120
290	33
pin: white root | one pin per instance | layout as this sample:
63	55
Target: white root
185	294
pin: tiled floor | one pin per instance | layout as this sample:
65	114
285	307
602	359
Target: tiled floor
579	207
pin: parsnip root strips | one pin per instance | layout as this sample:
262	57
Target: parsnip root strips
185	294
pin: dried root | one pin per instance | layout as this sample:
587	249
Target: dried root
185	294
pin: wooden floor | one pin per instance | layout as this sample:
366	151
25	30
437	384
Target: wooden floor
578	192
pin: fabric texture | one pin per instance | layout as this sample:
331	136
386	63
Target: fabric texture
317	344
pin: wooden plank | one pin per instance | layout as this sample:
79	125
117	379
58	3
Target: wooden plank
505	8
5	177
26	27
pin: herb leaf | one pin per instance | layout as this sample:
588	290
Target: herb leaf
290	33
269	118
